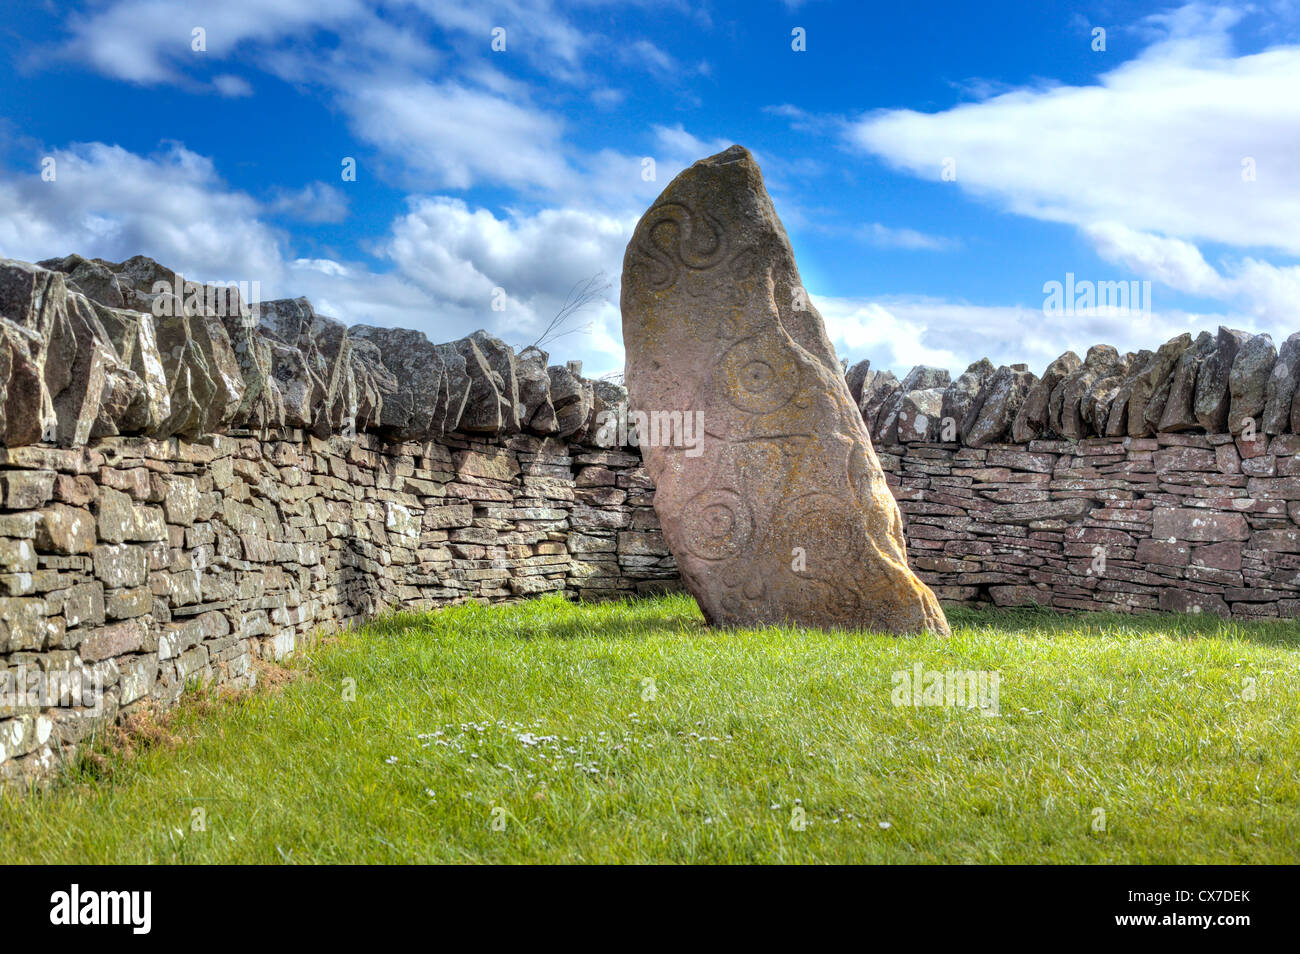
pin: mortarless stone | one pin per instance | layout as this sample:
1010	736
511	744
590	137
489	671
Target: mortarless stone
1211	403
919	416
875	394
1148	390
785	516
1033	418
920	378
1067	417
999	403
1280	391
1248	382
1179	411
962	393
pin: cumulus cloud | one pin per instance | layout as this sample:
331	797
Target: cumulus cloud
898	333
1158	144
436	267
110	203
460	256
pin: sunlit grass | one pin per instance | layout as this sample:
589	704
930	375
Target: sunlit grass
548	731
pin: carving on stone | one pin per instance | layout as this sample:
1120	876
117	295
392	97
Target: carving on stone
676	238
711	323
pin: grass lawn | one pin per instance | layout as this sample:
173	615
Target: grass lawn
548	731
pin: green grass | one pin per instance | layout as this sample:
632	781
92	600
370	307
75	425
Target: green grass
1146	718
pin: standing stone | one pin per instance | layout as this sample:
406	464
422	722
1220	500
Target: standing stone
785	516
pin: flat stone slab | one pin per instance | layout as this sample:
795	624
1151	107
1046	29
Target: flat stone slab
773	502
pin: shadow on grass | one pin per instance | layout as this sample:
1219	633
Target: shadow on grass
1037	622
554	617
550	617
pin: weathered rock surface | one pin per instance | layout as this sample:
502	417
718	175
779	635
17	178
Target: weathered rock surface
877	389
920	378
1066	407
785	515
999	402
1280	391
962	393
1138	407
573	400
1212	399
1034	416
1248	383
1179	412
919	418
857	377
538	413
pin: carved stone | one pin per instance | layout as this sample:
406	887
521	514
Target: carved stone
783	515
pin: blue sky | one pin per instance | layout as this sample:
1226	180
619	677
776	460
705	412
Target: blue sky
522	169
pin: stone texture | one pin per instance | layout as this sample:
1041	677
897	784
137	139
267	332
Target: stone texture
876	392
1179	411
1147	389
991	415
710	325
919	417
962	393
1248	382
1066	408
1034	417
1279	392
1212	400
920	378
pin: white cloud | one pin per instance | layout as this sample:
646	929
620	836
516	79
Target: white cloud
1157	145
149	41
457	136
110	203
1171	261
459	256
897	333
314	202
232	86
439	262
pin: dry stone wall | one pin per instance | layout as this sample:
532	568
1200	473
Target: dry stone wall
1179	522
134	566
1152	480
188	484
